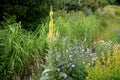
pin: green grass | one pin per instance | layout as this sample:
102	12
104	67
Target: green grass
20	49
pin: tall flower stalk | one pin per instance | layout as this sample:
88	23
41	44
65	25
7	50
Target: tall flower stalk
52	36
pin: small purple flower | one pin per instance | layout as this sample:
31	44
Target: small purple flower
62	67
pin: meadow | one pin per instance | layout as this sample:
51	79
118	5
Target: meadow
69	46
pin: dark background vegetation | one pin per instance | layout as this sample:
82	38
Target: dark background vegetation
33	12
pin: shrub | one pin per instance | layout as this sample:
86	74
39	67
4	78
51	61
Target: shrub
106	66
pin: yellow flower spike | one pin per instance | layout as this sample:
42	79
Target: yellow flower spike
50	35
51	11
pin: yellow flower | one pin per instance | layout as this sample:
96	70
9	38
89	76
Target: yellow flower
52	34
51	12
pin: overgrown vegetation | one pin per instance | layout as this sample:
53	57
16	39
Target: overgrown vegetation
68	45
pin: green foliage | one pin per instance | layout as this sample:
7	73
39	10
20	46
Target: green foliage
24	53
76	30
104	46
19	49
117	12
30	13
77	23
69	60
106	67
115	36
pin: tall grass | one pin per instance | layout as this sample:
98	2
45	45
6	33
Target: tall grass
20	53
77	26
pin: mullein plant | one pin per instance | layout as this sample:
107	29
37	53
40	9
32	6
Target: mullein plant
52	37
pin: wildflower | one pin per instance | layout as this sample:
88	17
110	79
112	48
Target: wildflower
66	50
68	65
62	67
51	12
88	51
59	56
89	64
73	65
70	56
58	70
65	75
46	74
83	62
52	36
82	50
51	28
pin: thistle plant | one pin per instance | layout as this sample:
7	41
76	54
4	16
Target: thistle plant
52	36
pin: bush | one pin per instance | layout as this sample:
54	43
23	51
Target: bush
106	66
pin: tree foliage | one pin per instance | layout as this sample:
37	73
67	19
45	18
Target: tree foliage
30	12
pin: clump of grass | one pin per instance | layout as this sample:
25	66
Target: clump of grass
20	53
